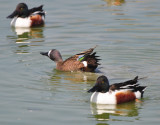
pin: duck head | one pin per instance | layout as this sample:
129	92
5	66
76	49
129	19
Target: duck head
53	55
102	85
20	11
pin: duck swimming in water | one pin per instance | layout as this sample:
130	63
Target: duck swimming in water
24	17
86	61
117	93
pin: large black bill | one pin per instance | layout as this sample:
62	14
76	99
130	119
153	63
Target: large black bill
92	89
44	53
15	13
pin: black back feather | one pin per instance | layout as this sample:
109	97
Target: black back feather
125	85
130	84
40	9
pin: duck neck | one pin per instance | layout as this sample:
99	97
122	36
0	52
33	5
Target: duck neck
59	65
60	60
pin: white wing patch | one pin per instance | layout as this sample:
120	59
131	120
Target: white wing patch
85	63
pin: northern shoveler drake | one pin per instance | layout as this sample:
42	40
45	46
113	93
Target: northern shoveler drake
24	17
117	93
85	61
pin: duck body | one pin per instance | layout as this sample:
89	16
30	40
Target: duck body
114	97
116	93
24	17
31	21
69	65
86	61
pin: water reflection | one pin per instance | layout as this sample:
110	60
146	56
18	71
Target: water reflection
26	37
58	81
106	112
102	124
28	33
74	77
114	2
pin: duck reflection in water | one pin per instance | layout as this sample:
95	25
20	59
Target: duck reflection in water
28	33
106	112
26	37
114	2
72	77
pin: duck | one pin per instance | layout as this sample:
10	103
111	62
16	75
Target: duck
103	93
86	61
24	17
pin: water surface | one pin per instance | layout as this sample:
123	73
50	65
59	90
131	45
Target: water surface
127	35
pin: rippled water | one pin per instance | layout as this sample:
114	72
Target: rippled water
127	35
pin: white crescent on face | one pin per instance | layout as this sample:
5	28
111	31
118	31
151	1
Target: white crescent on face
49	52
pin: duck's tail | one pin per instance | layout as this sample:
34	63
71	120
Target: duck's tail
130	84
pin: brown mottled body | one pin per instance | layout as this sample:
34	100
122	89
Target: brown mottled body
69	65
84	61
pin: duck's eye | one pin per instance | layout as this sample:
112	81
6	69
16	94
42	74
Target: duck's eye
102	81
21	8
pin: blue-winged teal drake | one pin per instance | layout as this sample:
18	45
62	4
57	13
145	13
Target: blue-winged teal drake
86	61
24	17
117	93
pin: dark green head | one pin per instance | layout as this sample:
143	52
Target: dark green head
20	11
102	85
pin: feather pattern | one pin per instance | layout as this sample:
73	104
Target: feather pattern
85	61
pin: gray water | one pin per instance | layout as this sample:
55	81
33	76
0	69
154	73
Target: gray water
33	92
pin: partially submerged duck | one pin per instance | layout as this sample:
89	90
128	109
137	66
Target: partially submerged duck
24	17
117	93
86	61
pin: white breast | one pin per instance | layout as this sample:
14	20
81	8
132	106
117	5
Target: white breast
21	22
103	98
